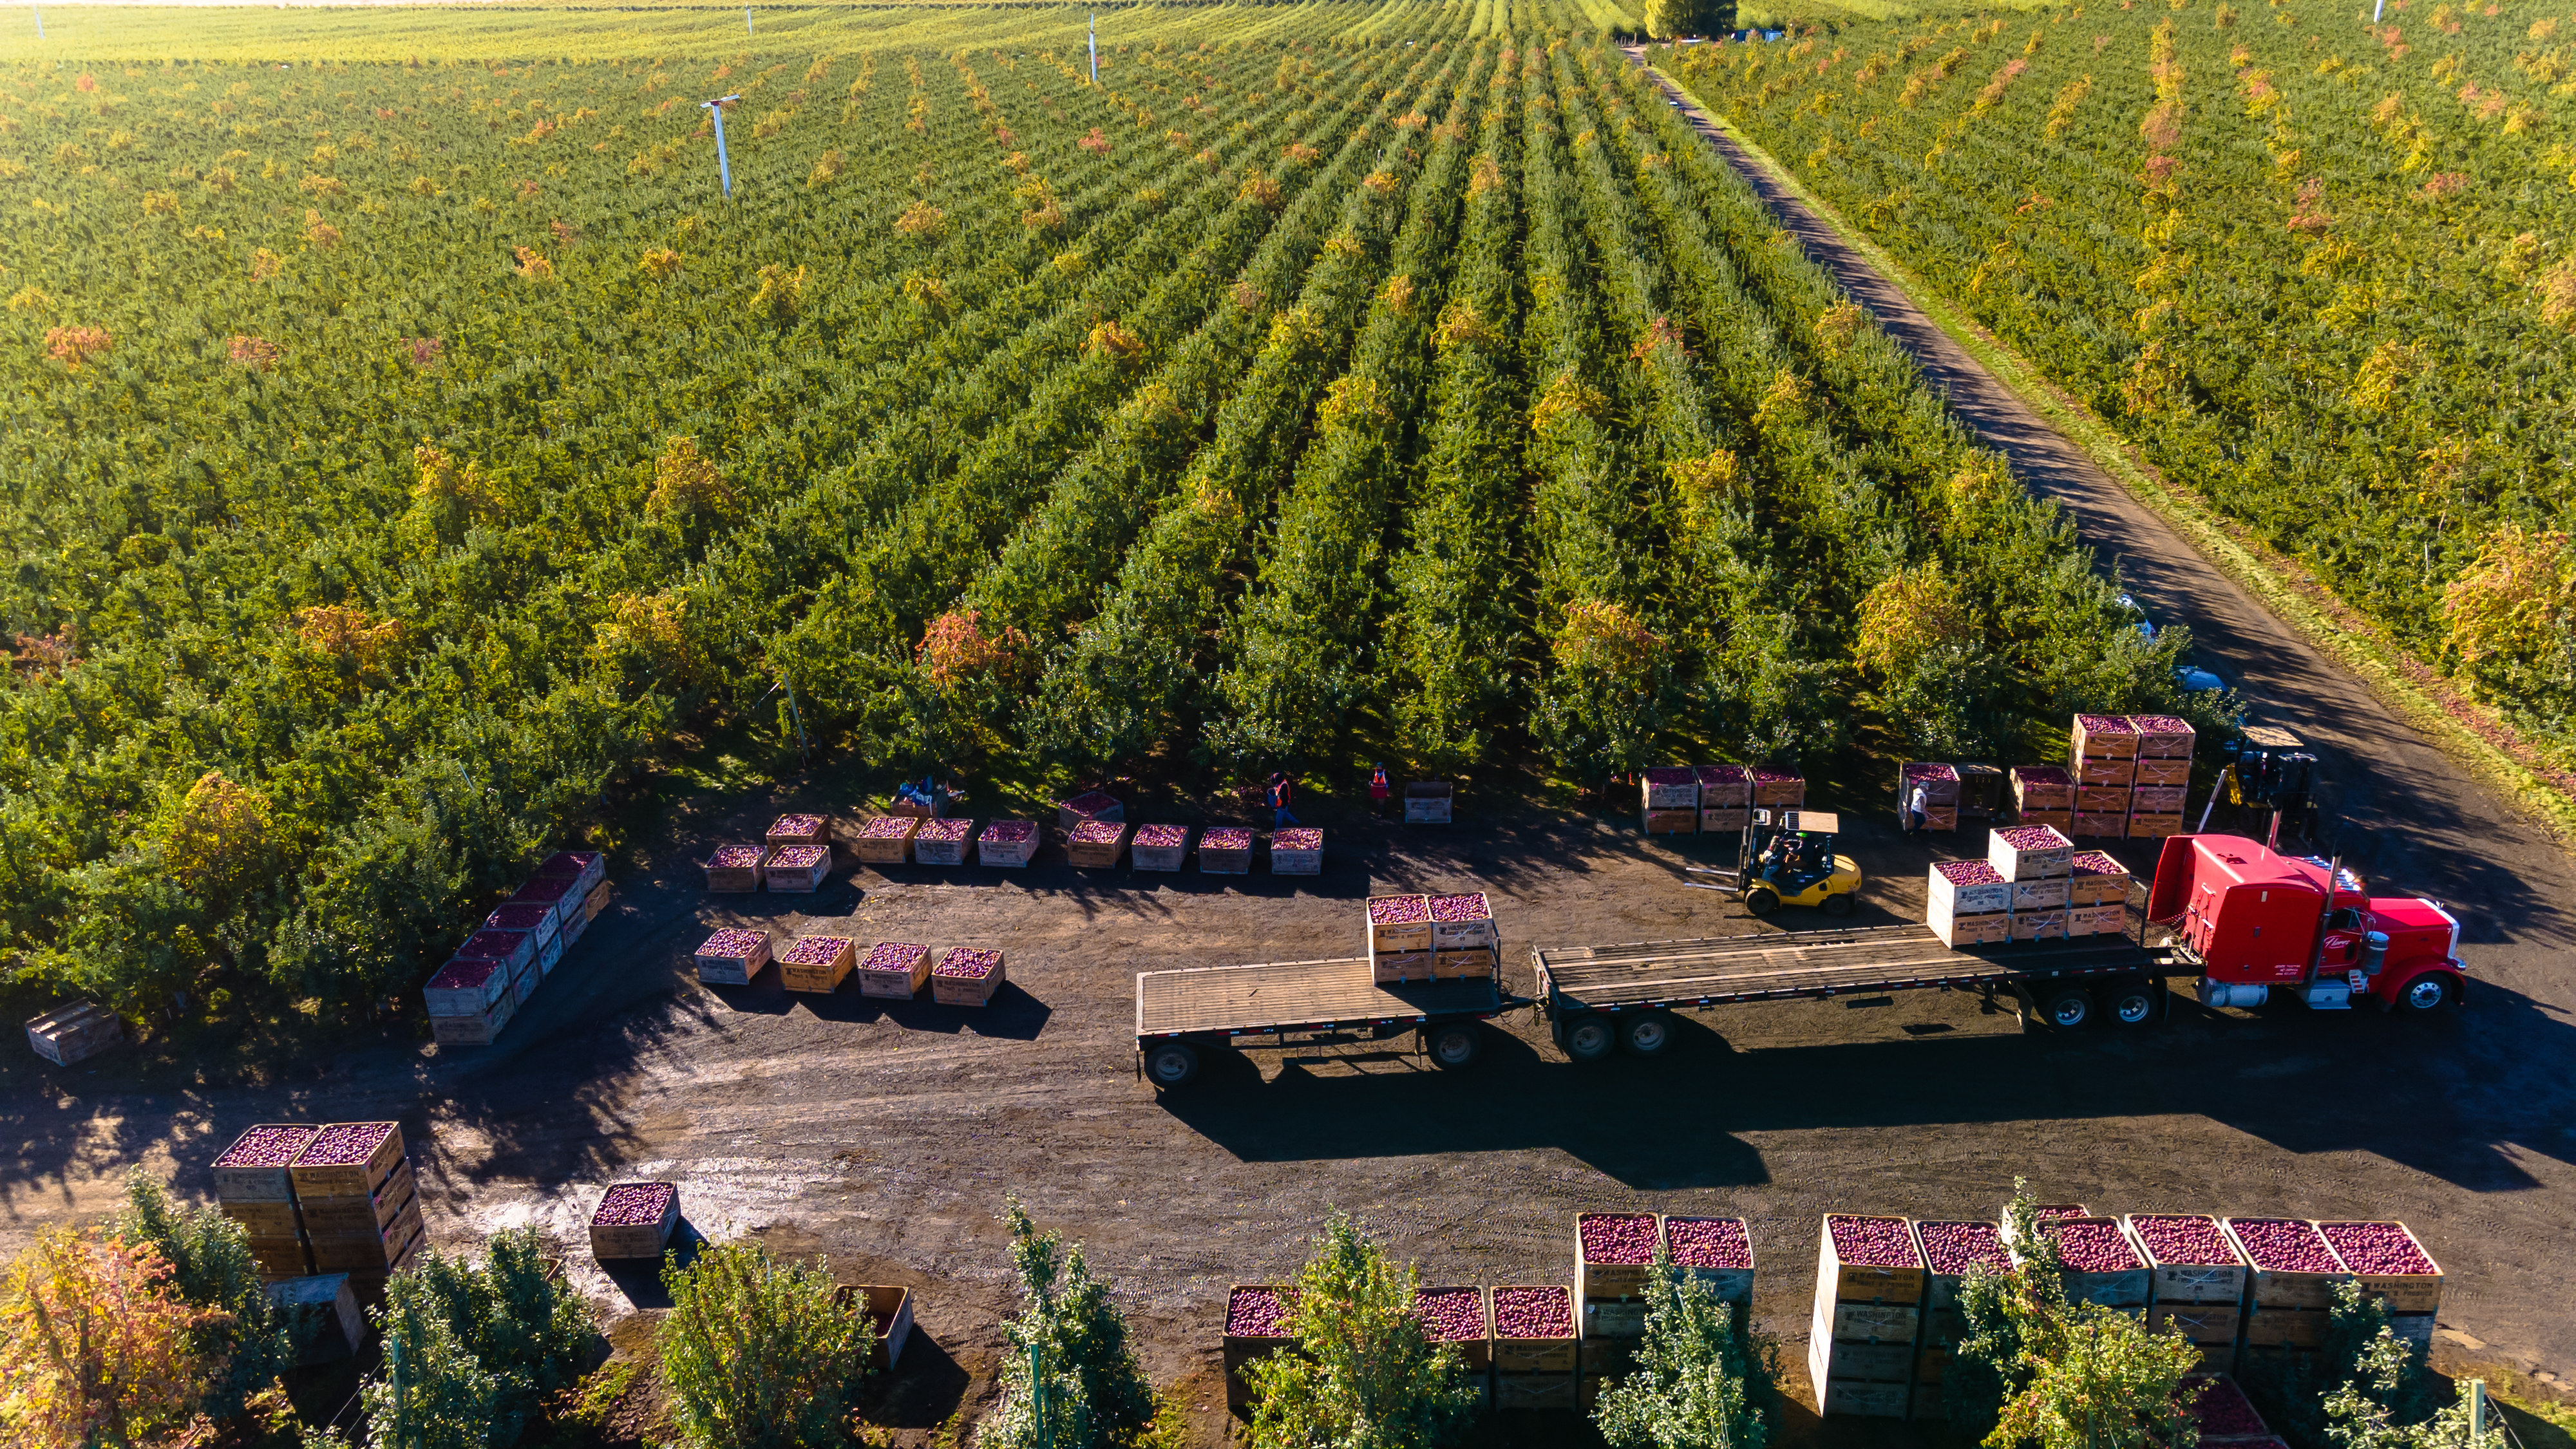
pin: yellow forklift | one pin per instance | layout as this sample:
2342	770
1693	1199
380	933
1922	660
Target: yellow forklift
1787	859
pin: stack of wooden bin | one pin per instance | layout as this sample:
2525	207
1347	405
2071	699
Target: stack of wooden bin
1255	1315
254	1188
2038	862
1940	784
1968	903
1948	1251
1536	1370
2119	1281
1860	1345
2104	760
1671	799
2097	896
1725	799
360	1202
2413	1297
2043	795
2162	780
2196	1282
1398	934
2286	1303
1613	1253
1779	789
1463	942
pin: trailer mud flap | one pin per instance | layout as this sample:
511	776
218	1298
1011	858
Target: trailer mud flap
2024	1005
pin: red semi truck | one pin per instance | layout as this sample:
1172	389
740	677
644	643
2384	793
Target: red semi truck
2245	920
2254	921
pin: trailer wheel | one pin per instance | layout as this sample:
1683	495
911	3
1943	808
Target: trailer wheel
2130	1003
1648	1035
1455	1045
1589	1038
2067	1008
1761	901
1172	1063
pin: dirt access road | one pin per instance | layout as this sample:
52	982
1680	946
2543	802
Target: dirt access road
886	1136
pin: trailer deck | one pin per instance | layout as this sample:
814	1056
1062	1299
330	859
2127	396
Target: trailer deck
1790	965
1179	1013
1274	996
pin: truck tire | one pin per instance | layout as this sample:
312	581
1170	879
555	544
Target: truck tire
2129	1003
1647	1034
1761	901
1837	905
2067	1008
1455	1045
1589	1038
2428	993
1172	1063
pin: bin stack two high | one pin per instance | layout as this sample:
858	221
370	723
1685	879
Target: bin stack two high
1869	1309
338	1198
499	966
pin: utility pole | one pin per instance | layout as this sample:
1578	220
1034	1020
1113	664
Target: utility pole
715	108
1095	47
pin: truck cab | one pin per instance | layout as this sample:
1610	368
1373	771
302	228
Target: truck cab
2256	921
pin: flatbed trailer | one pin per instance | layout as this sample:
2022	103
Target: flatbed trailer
1597	997
1182	1015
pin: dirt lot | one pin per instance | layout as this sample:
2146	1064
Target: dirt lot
886	1136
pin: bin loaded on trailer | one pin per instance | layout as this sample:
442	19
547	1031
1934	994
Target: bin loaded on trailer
2243	919
1183	1015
